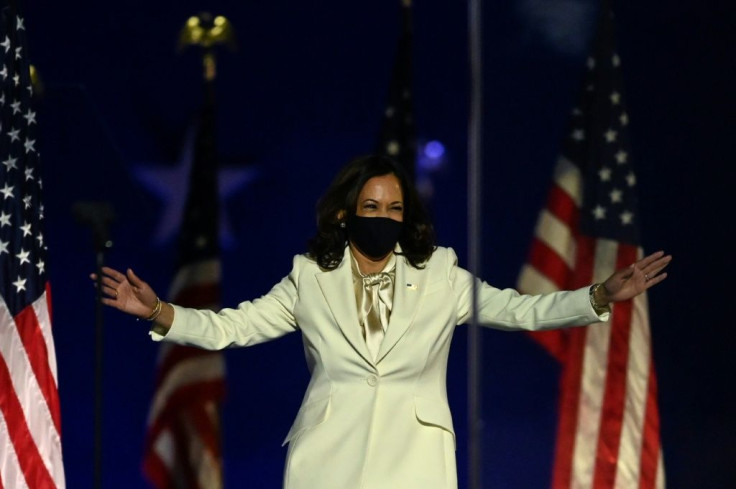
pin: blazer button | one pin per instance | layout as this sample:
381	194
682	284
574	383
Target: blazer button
372	380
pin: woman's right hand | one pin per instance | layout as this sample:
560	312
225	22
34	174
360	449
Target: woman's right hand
127	292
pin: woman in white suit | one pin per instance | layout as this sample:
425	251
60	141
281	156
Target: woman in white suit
376	303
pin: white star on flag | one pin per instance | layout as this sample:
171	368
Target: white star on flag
631	179
23	256
10	163
627	217
616	195
599	212
621	157
7	191
20	284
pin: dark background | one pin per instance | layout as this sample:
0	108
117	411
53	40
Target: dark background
305	93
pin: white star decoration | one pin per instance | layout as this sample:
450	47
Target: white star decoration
599	213
4	219
627	217
604	174
621	157
578	135
23	256
10	163
20	284
610	135
30	117
7	191
616	195
631	179
4	247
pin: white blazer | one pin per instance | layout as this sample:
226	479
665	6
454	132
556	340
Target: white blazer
380	424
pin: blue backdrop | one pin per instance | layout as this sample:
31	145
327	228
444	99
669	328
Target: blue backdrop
305	93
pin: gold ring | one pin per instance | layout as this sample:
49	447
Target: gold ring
646	277
116	294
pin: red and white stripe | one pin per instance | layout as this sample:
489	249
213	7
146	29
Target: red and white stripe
30	416
183	439
608	431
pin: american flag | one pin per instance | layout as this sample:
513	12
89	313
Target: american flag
608	430
183	446
30	418
397	136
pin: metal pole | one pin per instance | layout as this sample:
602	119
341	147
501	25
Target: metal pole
474	241
99	355
98	216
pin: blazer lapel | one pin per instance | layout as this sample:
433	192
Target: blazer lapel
408	290
337	287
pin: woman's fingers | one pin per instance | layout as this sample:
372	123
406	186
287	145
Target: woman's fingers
647	260
656	279
652	269
109	286
134	279
108	282
112	273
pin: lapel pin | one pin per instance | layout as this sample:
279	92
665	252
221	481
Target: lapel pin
411	286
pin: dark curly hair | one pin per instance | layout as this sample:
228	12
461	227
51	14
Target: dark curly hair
341	199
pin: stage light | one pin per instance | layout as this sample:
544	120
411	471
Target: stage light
434	150
431	156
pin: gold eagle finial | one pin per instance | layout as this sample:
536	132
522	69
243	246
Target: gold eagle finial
207	31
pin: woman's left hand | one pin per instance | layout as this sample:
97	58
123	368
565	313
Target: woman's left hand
636	278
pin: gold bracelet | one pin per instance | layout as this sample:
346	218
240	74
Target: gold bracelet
156	310
599	309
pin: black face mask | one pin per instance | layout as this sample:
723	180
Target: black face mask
374	236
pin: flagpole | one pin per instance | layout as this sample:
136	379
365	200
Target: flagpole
184	439
474	241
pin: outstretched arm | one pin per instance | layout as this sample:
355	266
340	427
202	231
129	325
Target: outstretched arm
128	293
634	279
